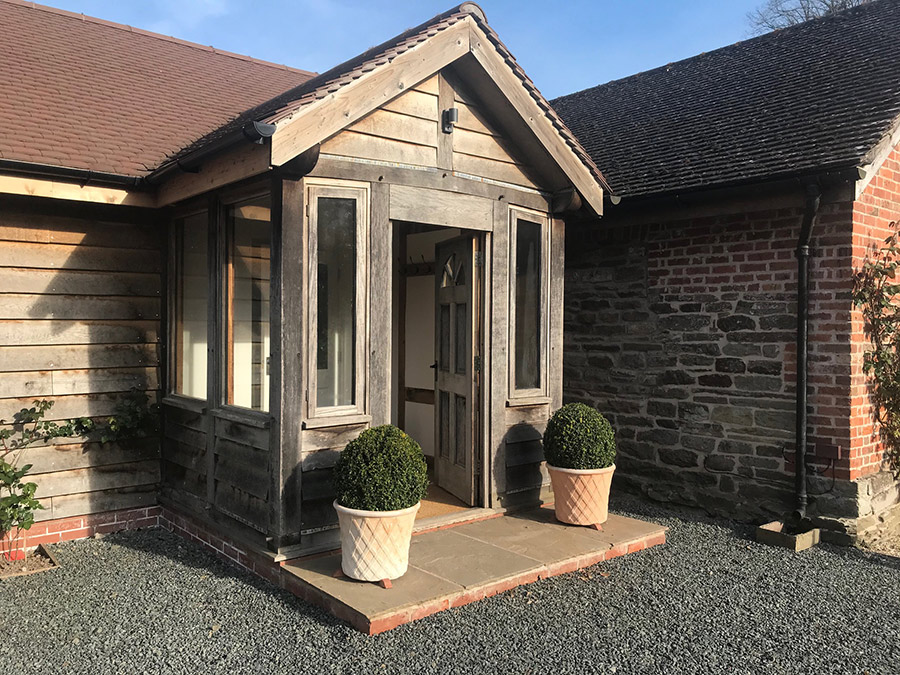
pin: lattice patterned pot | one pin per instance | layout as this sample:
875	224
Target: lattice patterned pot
375	544
581	495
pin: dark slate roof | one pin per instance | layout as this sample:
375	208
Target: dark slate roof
816	96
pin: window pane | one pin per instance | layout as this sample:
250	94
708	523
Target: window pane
191	302
528	305
247	326
336	302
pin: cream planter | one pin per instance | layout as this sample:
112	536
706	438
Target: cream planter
581	495
375	544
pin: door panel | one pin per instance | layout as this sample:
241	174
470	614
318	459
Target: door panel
454	374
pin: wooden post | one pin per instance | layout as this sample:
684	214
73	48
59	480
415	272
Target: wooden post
380	296
557	282
499	349
285	366
214	322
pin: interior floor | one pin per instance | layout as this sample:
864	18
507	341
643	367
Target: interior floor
439	502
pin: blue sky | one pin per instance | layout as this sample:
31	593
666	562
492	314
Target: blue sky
563	46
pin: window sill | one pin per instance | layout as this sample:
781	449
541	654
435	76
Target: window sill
251	418
196	405
336	421
527	400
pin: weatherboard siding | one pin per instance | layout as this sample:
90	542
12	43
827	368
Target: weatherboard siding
80	304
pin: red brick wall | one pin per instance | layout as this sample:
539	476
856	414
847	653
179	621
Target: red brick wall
681	327
874	213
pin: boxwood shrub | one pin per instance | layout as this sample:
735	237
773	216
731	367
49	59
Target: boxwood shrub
383	469
579	437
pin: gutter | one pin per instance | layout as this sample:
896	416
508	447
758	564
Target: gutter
813	197
255	132
83	176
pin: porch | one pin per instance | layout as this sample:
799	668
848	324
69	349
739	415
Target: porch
453	566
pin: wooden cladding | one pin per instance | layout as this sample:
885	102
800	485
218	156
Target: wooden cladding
407	130
80	326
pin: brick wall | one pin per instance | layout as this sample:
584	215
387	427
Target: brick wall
682	327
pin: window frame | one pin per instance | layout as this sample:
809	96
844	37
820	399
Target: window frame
175	308
347	414
539	395
223	283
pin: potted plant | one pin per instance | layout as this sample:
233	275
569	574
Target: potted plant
580	448
379	479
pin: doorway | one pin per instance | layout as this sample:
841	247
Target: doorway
437	361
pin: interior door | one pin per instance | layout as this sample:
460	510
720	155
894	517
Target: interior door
455	381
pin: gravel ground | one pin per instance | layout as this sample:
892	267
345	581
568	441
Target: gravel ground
710	601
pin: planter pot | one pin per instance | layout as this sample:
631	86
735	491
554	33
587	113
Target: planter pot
375	544
581	495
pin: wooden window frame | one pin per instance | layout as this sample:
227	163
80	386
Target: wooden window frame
348	414
174	346
224	286
539	395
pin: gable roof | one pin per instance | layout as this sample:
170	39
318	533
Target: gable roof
289	106
814	97
83	93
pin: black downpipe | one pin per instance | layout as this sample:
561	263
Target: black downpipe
813	198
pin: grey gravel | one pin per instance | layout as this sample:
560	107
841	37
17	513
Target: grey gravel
710	601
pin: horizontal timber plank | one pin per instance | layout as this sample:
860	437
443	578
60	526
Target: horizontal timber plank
96	478
66	407
436	207
184	417
66	332
245	434
184	479
318	485
416	104
182	434
397	126
184	455
73	357
98	501
535	415
488	168
352	144
319	459
524	452
64	457
62	382
27	226
77	307
23	280
328	438
82	256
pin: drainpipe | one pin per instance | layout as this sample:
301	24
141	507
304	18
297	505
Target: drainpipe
813	198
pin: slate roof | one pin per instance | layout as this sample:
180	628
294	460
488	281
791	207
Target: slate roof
816	96
83	93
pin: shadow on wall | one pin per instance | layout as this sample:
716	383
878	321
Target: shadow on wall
80	317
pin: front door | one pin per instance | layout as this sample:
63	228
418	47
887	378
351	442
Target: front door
456	307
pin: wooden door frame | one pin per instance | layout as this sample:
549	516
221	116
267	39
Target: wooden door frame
481	432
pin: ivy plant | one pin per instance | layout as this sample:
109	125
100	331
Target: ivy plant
875	293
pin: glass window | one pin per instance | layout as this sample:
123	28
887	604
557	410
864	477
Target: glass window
528	300
337	288
191	303
247	343
336	302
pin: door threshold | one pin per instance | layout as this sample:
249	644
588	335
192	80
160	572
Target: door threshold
451	519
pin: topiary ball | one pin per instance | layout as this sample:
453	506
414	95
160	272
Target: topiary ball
579	437
382	469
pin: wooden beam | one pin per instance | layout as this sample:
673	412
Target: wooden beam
499	351
246	160
435	207
537	120
322	119
286	383
54	189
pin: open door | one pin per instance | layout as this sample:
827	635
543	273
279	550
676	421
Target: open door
456	381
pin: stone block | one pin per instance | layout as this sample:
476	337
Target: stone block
732	349
719	463
733	415
662	408
680	457
693	411
659	436
730	365
684	322
760	383
717	380
736	322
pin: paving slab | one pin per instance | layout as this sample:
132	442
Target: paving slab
471	561
464	560
414	587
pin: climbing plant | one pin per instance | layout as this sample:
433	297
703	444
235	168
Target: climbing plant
134	417
877	293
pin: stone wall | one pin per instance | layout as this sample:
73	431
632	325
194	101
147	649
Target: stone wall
681	326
